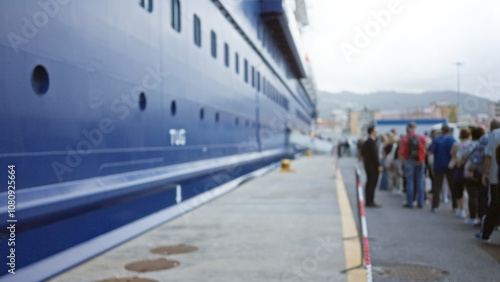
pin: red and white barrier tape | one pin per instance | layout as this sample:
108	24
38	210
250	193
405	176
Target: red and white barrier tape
364	231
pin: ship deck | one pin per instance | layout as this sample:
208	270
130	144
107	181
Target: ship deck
301	226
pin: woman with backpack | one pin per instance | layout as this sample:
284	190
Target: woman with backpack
473	181
460	155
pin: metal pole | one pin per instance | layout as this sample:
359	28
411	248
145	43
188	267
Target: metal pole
458	64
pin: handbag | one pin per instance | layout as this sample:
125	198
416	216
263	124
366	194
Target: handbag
458	172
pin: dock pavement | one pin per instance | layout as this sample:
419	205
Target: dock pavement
301	226
417	245
283	226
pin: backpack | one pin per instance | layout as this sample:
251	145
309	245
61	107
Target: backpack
413	147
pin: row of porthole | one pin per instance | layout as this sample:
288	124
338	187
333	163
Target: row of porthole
217	119
40	84
173	110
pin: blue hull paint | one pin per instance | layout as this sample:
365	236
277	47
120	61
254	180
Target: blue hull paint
133	108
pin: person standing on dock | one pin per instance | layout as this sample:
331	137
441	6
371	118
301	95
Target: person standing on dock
477	166
491	178
473	182
441	150
372	166
412	151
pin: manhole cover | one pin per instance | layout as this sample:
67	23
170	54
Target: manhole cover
133	279
413	272
177	249
151	265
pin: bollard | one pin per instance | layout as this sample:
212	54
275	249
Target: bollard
285	165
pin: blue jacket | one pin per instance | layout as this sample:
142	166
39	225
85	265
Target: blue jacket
440	148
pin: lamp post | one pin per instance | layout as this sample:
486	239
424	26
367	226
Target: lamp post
458	64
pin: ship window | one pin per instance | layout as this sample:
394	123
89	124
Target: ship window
176	15
173	108
226	54
245	70
202	114
197	30
237	63
40	80
259	34
264	38
213	38
253	76
147	5
236	121
142	101
258	81
217	117
264	85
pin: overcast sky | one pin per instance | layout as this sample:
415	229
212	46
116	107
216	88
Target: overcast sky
408	46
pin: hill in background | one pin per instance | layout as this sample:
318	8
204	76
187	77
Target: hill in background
386	101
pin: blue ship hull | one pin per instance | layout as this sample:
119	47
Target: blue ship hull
109	106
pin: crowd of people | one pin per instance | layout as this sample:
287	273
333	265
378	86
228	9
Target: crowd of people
433	167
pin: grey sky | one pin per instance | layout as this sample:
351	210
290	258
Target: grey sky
354	45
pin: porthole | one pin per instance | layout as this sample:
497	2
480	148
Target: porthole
142	101
40	80
202	114
173	108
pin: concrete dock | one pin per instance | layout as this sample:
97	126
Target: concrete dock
284	226
301	226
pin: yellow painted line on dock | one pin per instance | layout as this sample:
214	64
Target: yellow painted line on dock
352	247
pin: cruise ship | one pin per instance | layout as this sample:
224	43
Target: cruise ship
115	112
